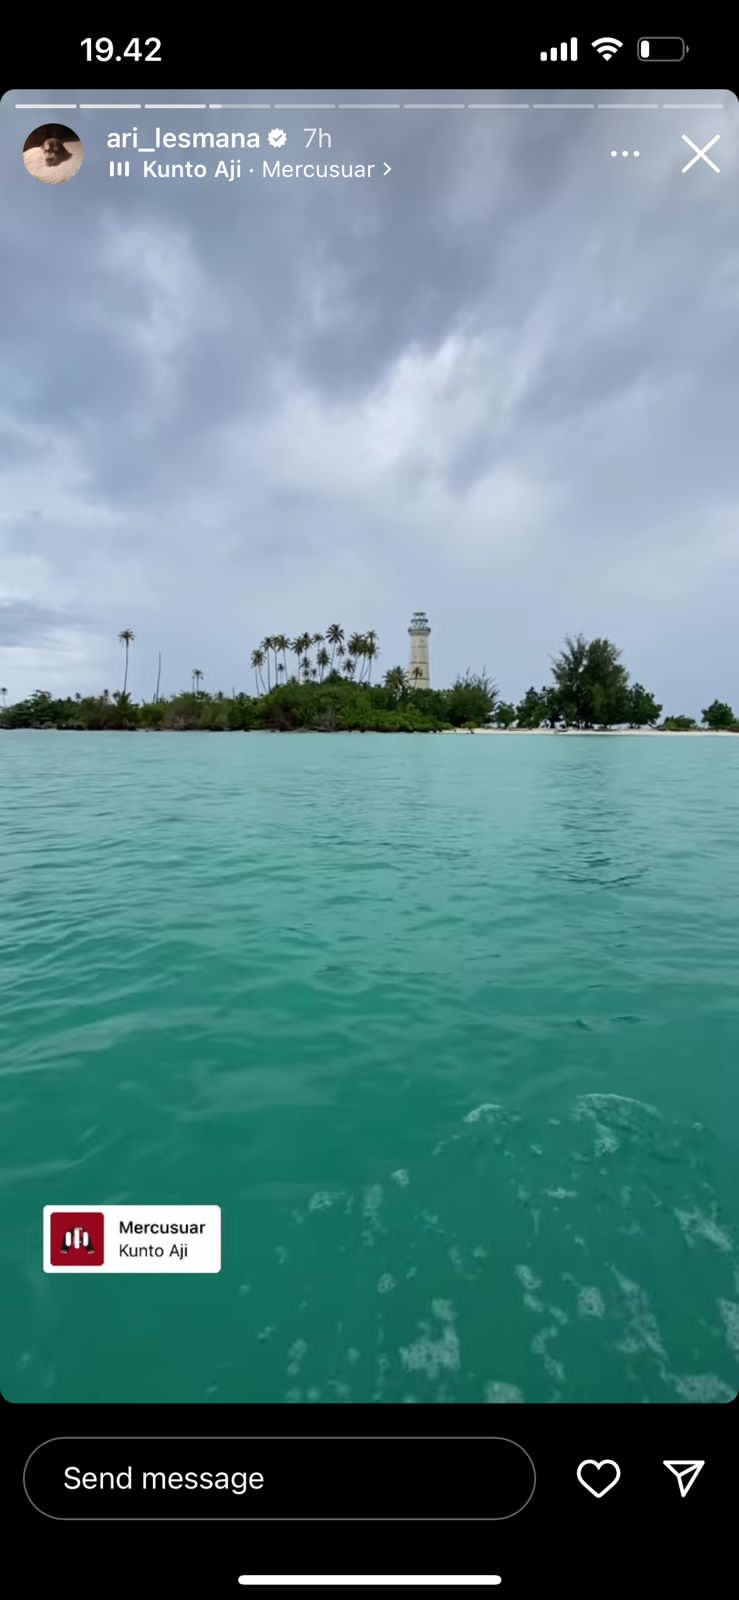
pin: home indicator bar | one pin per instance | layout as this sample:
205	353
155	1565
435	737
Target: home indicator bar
370	1581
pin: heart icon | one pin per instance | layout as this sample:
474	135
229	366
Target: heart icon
604	1475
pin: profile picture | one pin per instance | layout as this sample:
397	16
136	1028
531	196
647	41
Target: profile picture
53	153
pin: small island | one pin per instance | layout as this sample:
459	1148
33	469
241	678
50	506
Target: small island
327	688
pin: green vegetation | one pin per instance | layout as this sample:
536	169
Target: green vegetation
641	707
719	715
336	705
504	715
538	709
327	687
590	682
592	690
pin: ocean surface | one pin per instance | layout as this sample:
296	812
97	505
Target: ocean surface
448	1027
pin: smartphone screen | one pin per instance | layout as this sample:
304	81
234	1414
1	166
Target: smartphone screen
347	1063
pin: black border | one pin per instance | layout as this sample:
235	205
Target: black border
554	1543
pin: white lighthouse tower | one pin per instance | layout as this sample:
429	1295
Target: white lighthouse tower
419	670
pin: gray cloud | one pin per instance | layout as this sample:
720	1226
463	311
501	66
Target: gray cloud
22	623
501	385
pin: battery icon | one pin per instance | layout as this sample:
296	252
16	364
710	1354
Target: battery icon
666	48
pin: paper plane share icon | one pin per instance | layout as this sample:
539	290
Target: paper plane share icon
686	1473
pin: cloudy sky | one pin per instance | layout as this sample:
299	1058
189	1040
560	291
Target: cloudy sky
500	384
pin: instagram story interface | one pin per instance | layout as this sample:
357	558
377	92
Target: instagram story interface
338	1066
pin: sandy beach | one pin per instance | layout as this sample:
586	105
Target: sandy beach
603	733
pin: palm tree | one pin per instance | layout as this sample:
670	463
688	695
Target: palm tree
305	668
416	672
197	678
257	661
282	643
335	637
370	651
350	666
126	637
355	645
324	660
266	646
304	642
4	693
395	682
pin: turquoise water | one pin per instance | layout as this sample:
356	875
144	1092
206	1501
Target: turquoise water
449	1027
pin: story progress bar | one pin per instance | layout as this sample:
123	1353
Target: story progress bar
363	105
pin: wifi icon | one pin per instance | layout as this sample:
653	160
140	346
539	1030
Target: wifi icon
607	48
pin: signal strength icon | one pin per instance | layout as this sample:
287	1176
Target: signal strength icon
560	52
607	48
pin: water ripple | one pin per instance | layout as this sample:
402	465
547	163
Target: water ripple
448	1028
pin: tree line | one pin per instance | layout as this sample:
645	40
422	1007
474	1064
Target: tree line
327	686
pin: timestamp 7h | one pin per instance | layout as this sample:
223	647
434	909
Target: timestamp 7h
135	50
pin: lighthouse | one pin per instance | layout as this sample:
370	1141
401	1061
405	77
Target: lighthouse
419	671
